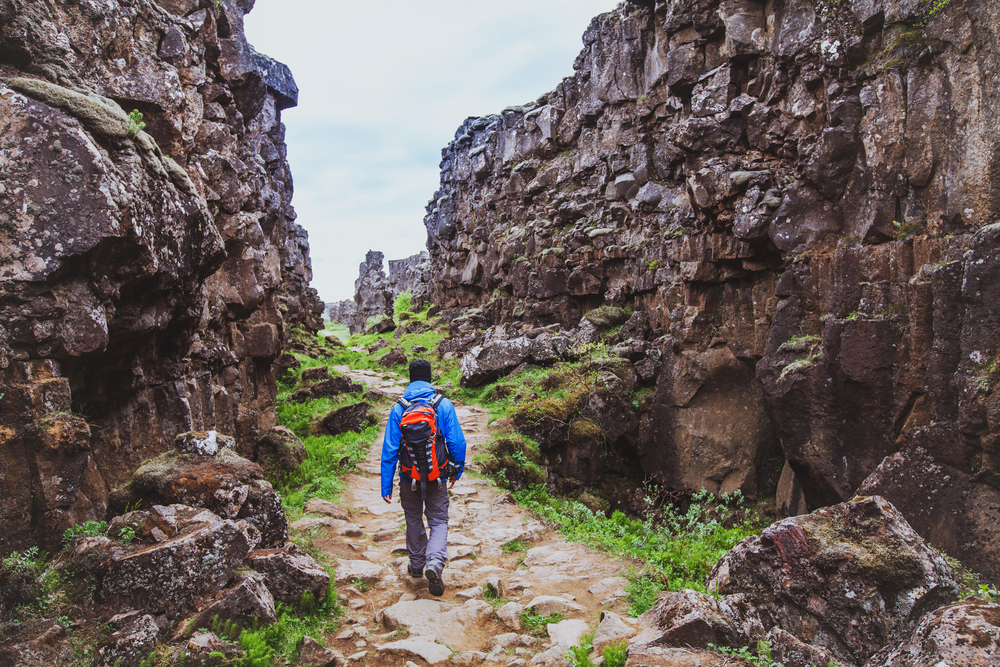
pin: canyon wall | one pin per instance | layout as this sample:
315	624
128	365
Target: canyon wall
802	195
148	277
375	293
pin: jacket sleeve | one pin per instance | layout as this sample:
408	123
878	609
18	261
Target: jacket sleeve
453	435
390	449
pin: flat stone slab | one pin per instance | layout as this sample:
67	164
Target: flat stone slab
325	507
567	633
338	526
349	570
550	604
421	647
447	624
503	532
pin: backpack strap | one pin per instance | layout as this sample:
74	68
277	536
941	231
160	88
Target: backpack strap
404	403
436	401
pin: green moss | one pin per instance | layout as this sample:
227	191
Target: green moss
582	431
513	461
98	114
605	317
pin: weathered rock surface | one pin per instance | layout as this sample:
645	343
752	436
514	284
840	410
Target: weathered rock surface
353	417
966	633
280	452
202	650
222	481
375	293
247	603
453	626
180	574
799	197
39	643
133	640
149	278
289	572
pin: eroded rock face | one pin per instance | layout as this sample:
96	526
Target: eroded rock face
850	578
180	574
802	203
148	276
224	482
967	633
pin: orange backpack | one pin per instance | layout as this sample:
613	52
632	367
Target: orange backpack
423	453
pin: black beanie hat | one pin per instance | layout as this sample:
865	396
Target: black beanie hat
420	370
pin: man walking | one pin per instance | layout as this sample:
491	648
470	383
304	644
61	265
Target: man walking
428	495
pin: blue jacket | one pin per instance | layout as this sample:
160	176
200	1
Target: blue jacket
447	425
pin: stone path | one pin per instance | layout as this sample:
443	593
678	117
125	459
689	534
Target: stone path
393	620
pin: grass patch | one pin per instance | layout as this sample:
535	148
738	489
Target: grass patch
534	623
615	655
513	546
678	548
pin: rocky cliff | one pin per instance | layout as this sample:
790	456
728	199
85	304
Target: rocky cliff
802	196
149	274
375	293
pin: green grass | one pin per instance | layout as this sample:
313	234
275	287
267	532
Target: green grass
615	655
678	549
579	655
534	623
513	546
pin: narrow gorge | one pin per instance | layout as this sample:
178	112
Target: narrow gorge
718	314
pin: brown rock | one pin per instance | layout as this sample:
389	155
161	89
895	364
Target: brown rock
244	604
396	357
131	643
202	648
289	572
316	374
225	483
326	508
687	618
280	452
41	643
314	654
967	633
851	578
176	576
335	387
353	417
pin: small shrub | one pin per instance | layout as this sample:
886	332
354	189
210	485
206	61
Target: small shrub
513	546
579	655
403	303
88	528
615	655
534	623
642	594
513	462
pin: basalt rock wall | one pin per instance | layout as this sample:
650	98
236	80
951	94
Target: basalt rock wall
375	293
802	196
148	277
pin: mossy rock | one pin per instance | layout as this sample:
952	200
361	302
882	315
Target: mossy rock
514	463
605	317
583	431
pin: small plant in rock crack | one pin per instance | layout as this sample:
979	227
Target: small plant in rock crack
135	124
360	585
513	546
535	624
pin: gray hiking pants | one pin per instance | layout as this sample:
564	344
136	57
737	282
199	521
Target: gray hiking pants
426	552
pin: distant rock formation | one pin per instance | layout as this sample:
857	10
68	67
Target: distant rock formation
803	198
150	268
375	293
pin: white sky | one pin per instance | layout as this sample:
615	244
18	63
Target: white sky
383	87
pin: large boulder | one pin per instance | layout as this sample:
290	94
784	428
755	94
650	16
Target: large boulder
850	578
175	576
688	618
280	452
203	471
353	417
485	363
967	633
290	572
41	643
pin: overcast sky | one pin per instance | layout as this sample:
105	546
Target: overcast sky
383	87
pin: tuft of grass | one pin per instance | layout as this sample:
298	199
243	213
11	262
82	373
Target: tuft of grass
579	655
89	528
534	623
642	594
513	546
615	655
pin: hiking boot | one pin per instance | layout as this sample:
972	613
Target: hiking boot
434	583
415	572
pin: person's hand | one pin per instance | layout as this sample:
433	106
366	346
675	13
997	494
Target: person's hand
451	484
387	499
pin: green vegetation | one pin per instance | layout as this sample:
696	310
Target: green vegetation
135	124
615	655
513	546
679	549
759	658
534	623
89	528
403	302
579	655
803	364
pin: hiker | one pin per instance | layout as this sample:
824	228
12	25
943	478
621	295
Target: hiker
425	473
